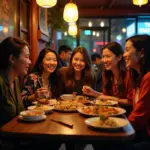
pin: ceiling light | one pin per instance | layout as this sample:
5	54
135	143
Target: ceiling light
46	3
70	12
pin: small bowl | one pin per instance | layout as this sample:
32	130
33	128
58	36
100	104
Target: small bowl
67	96
32	114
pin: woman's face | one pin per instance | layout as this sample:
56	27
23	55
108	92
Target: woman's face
22	64
78	62
109	59
131	56
49	62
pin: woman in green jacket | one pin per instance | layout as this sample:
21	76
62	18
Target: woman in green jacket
14	61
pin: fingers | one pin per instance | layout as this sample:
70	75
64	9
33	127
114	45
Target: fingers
42	92
74	93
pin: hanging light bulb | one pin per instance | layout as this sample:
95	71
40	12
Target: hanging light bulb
124	30
72	30
90	24
65	33
46	3
140	2
70	12
102	24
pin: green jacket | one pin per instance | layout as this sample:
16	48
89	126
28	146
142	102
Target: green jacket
10	105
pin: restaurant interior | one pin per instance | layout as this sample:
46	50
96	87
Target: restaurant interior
96	23
91	24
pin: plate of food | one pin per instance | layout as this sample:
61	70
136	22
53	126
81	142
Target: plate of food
32	115
66	106
45	101
107	123
82	99
44	108
101	110
67	97
105	102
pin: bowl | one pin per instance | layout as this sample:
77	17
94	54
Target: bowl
32	114
67	96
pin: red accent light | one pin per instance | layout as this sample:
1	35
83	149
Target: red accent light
101	43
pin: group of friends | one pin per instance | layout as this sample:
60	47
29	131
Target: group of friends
125	78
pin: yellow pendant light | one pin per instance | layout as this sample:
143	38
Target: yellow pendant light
70	12
46	3
72	30
140	2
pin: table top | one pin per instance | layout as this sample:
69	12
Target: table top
48	129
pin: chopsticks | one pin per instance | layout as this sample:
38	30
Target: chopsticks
63	123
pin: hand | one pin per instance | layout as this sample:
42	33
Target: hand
105	97
88	91
74	93
41	93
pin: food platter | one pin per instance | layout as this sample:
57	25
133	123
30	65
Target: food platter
44	108
106	102
101	110
110	123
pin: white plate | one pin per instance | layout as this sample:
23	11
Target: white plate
121	111
32	119
67	97
107	103
51	102
63	110
45	108
92	122
32	114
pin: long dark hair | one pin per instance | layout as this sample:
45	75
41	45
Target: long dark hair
141	42
87	76
108	75
53	79
10	46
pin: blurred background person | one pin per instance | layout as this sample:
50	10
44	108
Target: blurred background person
98	67
64	52
96	60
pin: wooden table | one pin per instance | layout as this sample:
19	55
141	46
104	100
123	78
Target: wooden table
49	130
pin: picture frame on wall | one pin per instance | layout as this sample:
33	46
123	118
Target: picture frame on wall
43	21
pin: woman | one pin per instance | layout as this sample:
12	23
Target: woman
78	73
43	81
137	55
14	61
116	84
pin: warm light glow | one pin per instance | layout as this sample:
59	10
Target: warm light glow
70	12
5	29
102	24
97	34
123	30
140	2
90	24
94	50
65	33
72	30
46	3
94	33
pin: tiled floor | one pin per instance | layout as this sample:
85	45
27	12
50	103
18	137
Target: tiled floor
88	147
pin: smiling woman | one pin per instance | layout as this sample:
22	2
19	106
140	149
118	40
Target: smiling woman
42	82
14	61
116	80
78	73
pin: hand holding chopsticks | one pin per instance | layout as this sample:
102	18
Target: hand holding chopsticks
63	123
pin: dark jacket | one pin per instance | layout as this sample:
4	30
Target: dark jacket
10	105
